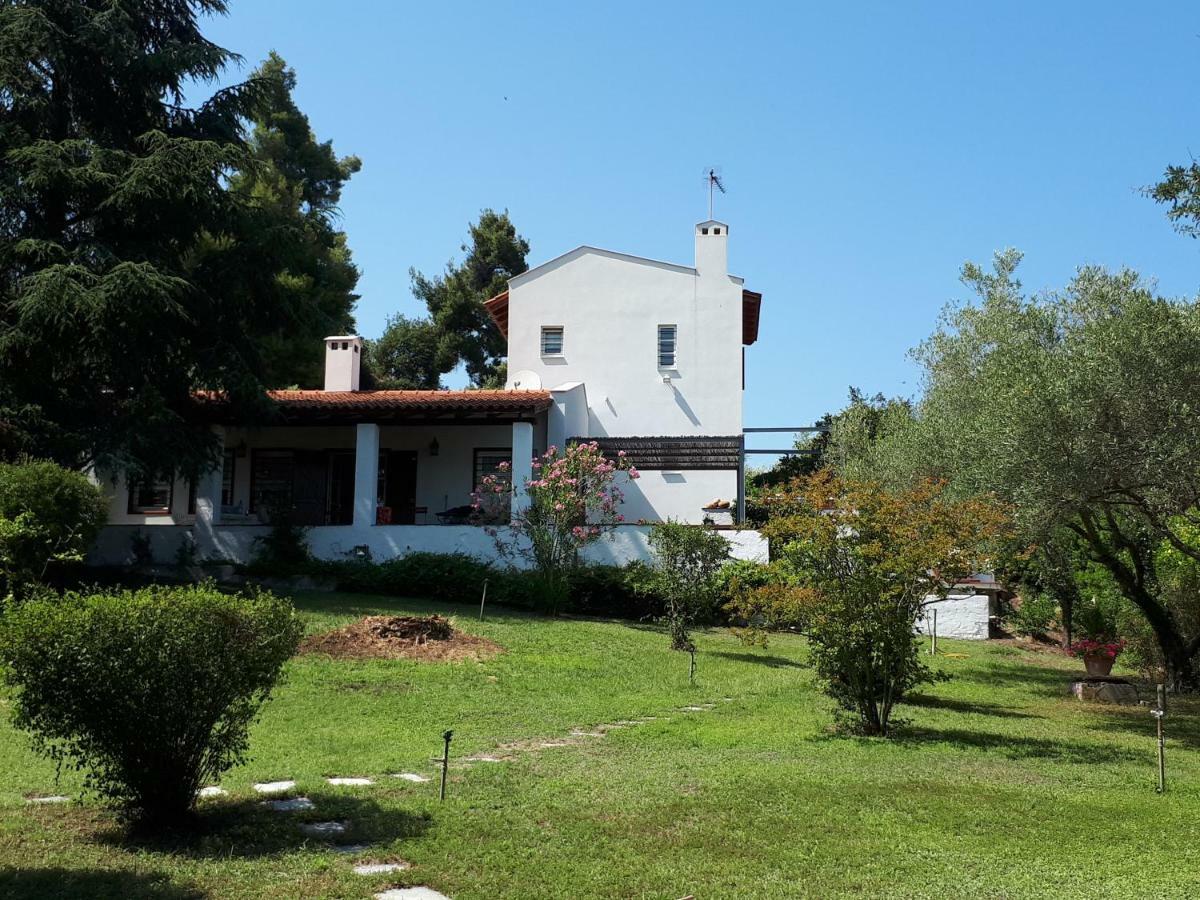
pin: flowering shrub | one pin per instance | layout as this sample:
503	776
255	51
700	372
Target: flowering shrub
1087	647
573	497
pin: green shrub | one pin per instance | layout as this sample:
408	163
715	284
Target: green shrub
283	551
687	560
49	516
623	592
1034	617
761	598
151	692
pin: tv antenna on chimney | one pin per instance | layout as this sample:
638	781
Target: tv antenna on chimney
713	179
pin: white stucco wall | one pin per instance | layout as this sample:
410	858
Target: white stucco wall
236	543
610	306
964	617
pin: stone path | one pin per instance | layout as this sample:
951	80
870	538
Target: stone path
327	830
274	787
324	829
293	804
380	868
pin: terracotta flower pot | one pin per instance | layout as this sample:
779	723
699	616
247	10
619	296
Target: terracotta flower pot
1099	663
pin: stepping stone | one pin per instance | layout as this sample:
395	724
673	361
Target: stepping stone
587	734
295	804
211	792
380	868
411	893
556	744
412	776
483	759
693	709
42	801
274	787
351	848
324	829
350	782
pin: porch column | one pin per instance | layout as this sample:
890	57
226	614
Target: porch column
366	474
208	501
522	464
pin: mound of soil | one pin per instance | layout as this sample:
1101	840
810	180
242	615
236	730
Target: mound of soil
401	637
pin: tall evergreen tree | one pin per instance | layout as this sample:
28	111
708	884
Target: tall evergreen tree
299	182
131	274
459	329
405	358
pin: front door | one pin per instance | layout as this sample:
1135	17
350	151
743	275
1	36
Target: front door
401	487
308	487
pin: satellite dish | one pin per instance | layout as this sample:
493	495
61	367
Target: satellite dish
525	380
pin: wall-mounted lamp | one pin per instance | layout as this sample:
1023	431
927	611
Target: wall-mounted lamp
434	447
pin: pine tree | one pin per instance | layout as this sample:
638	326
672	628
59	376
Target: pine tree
299	182
465	332
131	274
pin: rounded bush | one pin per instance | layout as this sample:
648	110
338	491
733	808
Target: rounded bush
48	515
150	692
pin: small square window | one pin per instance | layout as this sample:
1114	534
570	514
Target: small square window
666	346
552	340
151	496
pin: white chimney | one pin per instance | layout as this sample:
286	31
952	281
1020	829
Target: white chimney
343	358
712	256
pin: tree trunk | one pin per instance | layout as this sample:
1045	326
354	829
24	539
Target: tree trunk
1178	653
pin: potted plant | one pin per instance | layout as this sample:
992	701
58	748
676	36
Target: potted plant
1098	656
1098	645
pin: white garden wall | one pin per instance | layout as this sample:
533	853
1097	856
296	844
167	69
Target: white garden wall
958	617
235	543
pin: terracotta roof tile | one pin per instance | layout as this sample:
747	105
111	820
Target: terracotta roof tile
468	401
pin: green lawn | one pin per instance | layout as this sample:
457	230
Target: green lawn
1000	786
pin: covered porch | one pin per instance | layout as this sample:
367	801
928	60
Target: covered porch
368	458
360	459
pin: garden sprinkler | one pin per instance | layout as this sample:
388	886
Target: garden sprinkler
483	599
1159	714
445	761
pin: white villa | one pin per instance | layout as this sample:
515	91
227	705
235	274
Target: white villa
639	355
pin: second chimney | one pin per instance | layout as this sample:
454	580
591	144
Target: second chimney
712	242
343	362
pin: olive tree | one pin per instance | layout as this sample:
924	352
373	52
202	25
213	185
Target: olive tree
1081	409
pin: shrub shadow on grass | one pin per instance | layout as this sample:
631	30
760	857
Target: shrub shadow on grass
1041	680
929	701
248	829
1013	747
69	884
761	659
1181	726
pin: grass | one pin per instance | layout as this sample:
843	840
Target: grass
999	786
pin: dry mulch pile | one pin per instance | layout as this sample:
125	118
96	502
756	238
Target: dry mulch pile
401	637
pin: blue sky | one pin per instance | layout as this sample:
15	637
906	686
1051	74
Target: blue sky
869	149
